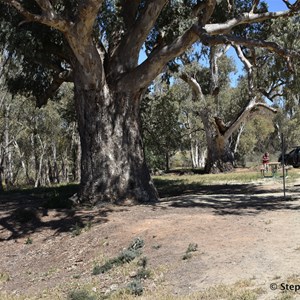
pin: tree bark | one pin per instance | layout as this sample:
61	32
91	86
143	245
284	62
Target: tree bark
55	172
1	179
40	163
219	157
167	156
8	151
23	163
198	154
112	163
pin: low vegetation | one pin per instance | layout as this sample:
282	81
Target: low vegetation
126	256
188	253
174	184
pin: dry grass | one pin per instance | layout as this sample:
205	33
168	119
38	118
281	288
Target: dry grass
242	176
244	290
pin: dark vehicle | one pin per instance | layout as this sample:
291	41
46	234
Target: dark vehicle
292	158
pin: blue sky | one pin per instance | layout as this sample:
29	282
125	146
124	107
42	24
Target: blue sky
275	5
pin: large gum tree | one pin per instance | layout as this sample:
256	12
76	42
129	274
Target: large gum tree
96	44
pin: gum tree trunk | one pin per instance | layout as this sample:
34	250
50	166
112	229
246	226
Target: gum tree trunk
112	162
219	157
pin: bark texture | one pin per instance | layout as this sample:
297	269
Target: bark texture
112	164
219	157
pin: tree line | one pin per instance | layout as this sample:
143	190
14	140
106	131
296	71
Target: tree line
38	147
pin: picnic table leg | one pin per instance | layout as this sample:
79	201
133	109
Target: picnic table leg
274	170
286	171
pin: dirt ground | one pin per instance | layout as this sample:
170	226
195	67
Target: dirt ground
243	232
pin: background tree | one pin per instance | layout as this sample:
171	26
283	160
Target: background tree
286	80
161	127
37	145
96	44
193	136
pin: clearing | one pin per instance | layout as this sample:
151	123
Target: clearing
247	236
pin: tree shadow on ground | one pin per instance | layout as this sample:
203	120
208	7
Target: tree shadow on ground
225	199
23	212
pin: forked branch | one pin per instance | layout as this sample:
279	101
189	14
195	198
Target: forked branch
48	16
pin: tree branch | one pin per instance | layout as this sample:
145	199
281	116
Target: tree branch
234	40
48	17
265	107
243	59
214	55
151	67
254	6
136	35
46	8
129	11
294	6
248	67
198	8
192	82
252	108
208	11
246	18
270	95
87	13
53	88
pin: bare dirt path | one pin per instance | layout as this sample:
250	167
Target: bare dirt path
243	232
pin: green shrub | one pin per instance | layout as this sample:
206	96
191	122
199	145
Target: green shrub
76	230
143	273
135	287
188	253
126	256
143	262
28	241
81	295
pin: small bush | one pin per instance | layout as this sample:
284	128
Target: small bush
143	274
188	253
143	262
187	256
98	270
156	247
138	243
81	295
4	277
192	247
28	241
135	287
88	226
126	256
76	230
